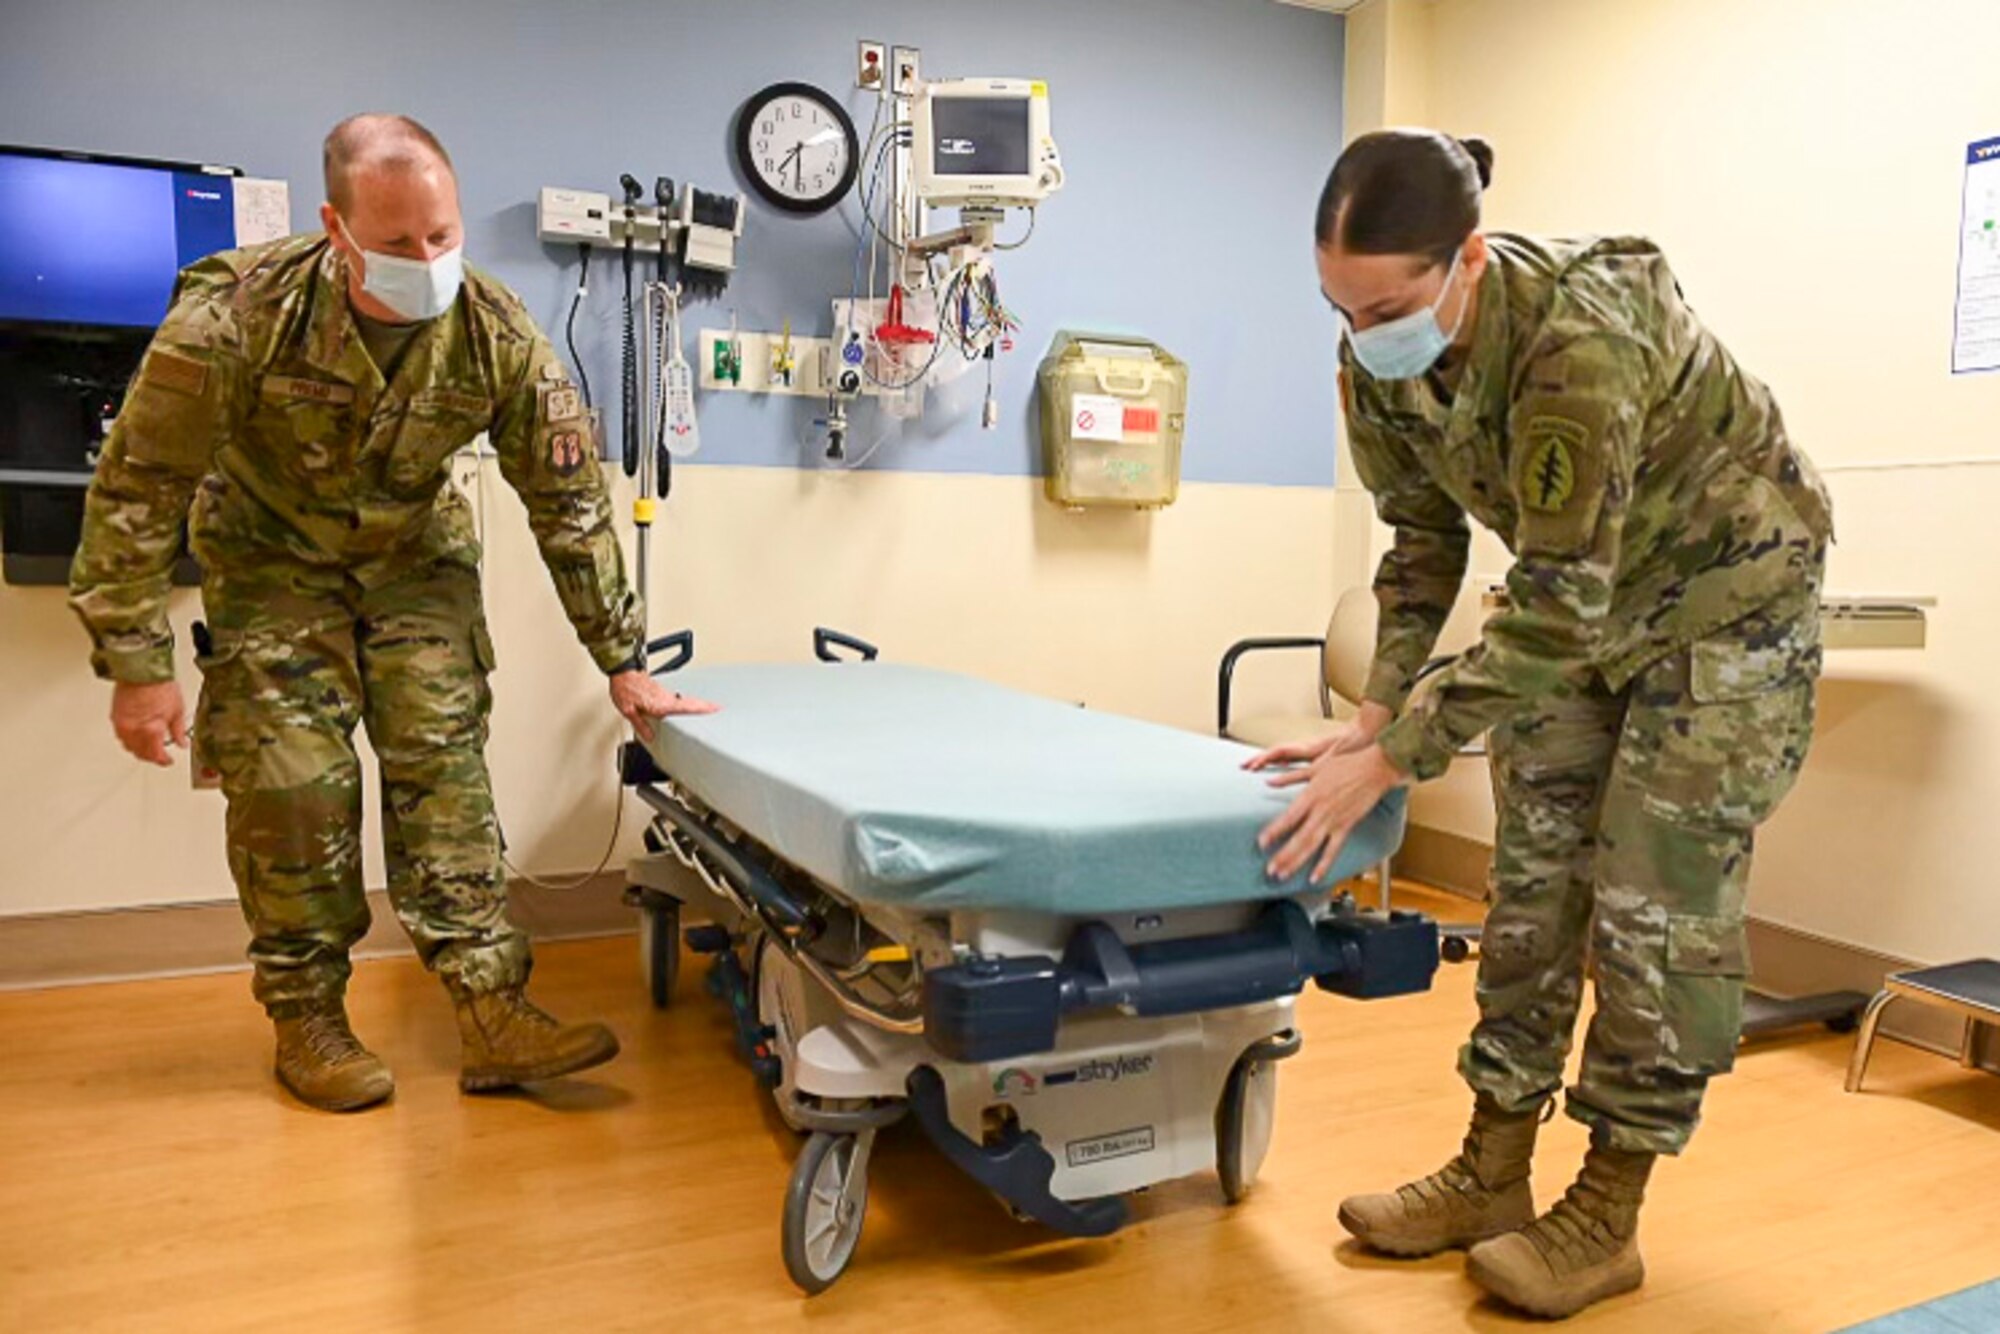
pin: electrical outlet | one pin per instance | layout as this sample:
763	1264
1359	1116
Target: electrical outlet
905	70
871	63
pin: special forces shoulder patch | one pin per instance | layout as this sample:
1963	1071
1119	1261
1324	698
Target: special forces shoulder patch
1558	474
1548	472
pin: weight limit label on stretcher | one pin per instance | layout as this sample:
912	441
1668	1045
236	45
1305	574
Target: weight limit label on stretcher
1119	1144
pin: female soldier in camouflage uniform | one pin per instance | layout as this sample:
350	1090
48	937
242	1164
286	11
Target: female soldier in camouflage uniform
1648	687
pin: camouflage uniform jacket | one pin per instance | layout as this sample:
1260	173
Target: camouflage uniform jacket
258	406
1643	482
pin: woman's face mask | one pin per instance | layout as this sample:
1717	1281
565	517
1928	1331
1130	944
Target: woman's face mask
1406	347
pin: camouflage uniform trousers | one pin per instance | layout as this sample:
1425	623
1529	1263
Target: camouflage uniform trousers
1626	823
298	655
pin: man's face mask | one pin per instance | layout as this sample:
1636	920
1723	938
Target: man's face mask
1404	348
415	289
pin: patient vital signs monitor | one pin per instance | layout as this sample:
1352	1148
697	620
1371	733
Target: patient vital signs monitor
984	142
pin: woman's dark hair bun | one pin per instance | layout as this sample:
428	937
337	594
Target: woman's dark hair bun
1481	154
1404	192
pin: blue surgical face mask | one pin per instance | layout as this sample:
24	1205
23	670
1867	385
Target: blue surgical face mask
1404	348
415	289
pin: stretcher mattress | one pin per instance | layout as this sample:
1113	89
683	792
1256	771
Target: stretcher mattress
901	785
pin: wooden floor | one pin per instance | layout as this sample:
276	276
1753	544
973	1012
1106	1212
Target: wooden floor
152	1177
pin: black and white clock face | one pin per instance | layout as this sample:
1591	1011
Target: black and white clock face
797	146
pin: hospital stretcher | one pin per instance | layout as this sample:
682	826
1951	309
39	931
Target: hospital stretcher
1043	933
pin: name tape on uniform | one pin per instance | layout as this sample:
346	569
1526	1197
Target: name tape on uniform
309	391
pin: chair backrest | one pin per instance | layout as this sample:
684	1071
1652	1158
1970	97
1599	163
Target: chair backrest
1350	644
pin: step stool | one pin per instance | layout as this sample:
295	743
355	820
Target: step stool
1970	990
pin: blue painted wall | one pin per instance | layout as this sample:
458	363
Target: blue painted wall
1195	135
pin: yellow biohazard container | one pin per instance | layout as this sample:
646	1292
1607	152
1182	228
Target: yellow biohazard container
1113	410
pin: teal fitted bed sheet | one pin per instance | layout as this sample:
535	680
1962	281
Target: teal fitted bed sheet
902	785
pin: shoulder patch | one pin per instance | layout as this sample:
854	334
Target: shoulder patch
1549	469
1558	472
172	371
560	404
566	453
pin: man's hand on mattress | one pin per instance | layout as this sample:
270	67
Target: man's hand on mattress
149	717
1355	734
1338	789
642	700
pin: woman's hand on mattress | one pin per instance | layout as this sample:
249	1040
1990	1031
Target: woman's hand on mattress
1357	733
642	700
148	718
1338	790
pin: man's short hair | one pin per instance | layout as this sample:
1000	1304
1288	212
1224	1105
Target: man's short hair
375	139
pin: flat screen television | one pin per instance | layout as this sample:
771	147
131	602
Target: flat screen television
97	241
90	246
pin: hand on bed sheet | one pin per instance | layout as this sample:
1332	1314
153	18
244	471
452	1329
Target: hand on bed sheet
1339	788
1356	733
642	700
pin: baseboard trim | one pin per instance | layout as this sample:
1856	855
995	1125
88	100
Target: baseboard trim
1451	862
127	944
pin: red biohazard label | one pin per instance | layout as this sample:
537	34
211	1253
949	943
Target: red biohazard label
1142	421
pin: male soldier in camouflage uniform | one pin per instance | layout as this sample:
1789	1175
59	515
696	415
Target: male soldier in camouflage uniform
1648	687
297	411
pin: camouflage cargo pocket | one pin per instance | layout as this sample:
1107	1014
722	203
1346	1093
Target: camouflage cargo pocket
219	739
1701	1005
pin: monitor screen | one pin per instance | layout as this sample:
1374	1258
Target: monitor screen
99	241
980	136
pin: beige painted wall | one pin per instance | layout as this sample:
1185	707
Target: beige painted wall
1800	160
1123	612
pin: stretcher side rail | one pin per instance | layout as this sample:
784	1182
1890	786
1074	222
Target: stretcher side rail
992	1008
790	921
770	900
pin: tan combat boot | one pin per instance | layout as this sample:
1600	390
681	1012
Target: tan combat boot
1479	1194
508	1041
324	1064
1582	1251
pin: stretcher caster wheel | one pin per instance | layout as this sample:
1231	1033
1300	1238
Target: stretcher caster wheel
660	948
1243	1122
825	1207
